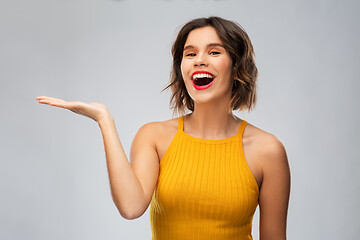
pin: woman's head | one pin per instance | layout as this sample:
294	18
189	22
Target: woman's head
243	69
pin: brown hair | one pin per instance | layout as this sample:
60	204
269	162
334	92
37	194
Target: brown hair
237	43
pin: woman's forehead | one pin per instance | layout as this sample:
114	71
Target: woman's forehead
204	36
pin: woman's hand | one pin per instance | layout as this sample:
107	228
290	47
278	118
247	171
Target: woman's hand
132	182
96	111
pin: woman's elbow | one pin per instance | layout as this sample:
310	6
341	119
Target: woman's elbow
131	215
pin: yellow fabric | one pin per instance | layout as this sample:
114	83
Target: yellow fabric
205	190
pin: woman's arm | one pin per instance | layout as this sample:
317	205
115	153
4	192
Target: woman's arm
132	184
274	191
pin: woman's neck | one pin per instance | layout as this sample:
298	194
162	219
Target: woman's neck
211	122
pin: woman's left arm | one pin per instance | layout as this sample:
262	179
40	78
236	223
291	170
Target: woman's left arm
274	191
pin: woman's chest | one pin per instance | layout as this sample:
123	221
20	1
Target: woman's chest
163	143
206	180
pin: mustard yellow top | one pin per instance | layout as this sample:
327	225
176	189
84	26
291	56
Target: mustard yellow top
205	190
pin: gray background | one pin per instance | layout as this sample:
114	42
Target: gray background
53	177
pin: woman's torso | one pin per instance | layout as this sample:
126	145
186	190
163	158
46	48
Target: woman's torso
166	210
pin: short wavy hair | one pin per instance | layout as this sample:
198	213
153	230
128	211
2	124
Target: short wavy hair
237	43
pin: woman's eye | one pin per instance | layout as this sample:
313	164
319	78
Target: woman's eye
190	55
214	53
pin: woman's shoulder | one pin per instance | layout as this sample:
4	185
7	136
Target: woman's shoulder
160	134
160	128
170	124
268	147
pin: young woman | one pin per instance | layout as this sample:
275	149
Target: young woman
203	173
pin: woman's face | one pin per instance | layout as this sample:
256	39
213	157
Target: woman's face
206	67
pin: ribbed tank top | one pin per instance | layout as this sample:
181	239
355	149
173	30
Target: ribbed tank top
205	190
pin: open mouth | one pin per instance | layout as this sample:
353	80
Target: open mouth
202	79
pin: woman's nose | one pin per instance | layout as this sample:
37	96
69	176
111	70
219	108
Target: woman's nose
200	60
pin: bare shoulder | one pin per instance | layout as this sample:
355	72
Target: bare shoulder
159	128
267	149
160	133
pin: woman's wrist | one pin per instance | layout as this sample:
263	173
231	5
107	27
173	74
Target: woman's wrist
105	118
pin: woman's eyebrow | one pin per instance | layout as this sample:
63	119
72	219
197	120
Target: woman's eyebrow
215	45
209	45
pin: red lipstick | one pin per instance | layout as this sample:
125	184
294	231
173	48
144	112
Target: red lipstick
197	87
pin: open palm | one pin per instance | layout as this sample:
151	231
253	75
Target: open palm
95	111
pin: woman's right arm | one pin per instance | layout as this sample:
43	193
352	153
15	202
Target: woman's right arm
132	184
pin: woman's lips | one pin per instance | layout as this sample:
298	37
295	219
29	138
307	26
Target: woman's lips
202	74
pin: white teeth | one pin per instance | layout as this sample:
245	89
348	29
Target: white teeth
202	75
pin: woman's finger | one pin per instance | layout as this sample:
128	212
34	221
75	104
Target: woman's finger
52	101
46	98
